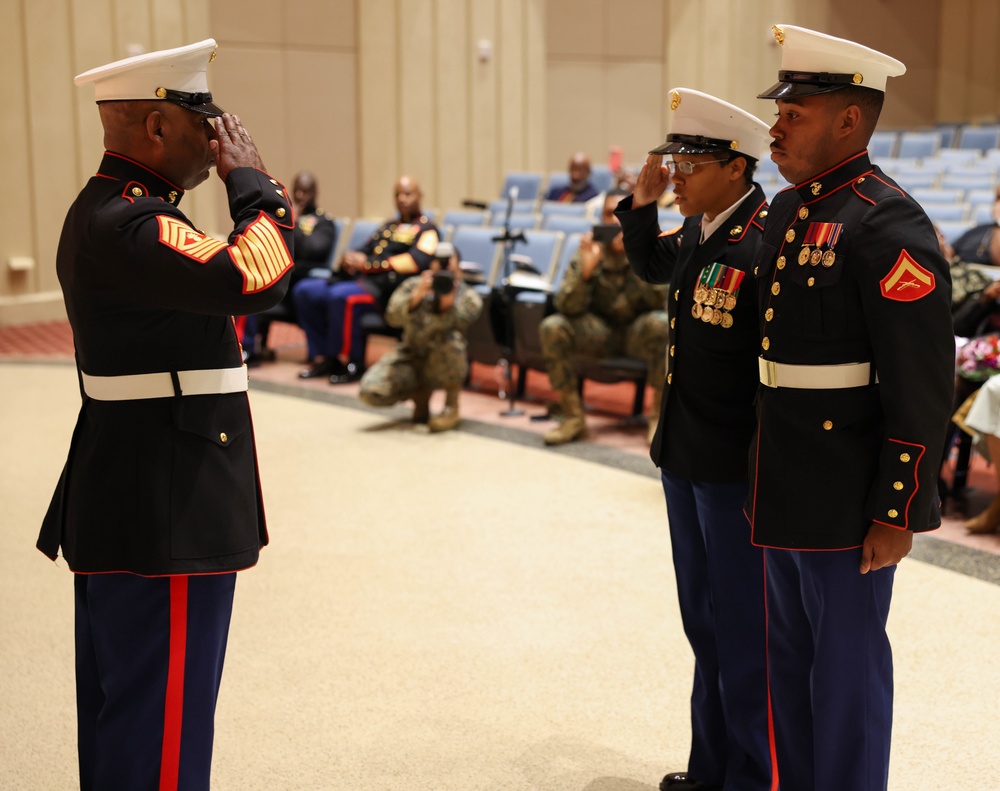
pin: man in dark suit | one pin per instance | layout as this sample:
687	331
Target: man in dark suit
579	189
159	503
707	420
857	366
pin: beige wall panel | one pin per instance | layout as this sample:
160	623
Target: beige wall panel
17	214
683	63
575	117
955	60
197	19
485	148
319	23
323	136
451	55
755	59
378	105
93	46
981	80
511	96
50	93
633	29
633	94
535	86
248	21
416	96
574	28
167	26
133	27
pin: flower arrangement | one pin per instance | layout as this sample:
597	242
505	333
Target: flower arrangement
979	358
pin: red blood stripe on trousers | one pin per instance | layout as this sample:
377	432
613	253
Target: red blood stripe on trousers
173	709
350	302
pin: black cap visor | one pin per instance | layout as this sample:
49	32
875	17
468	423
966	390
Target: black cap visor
691	144
793	84
198	102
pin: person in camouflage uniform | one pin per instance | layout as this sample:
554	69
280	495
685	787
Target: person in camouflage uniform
432	353
603	310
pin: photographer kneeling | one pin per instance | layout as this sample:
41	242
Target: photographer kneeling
433	309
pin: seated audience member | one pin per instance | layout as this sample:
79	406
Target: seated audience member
625	179
984	420
973	303
330	311
603	310
981	245
433	309
314	239
579	189
974	293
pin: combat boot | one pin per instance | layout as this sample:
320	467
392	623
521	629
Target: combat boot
654	415
573	425
421	406
987	521
449	418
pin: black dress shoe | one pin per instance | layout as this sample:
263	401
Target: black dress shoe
351	372
324	368
680	781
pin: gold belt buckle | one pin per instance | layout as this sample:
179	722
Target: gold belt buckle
770	373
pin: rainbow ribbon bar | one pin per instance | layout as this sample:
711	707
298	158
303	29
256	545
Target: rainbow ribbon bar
722	277
823	233
732	279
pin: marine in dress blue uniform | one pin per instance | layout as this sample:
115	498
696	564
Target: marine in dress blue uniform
857	367
330	312
707	421
159	503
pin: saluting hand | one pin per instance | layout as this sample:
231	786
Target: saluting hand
884	546
233	147
652	182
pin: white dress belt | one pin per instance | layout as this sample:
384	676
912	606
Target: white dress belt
134	387
814	377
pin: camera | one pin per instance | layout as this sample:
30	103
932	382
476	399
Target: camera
606	233
443	281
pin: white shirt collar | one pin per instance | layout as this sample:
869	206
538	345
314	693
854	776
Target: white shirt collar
708	228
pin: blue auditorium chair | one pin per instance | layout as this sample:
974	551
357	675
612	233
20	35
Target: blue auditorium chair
528	185
918	144
566	223
979	137
952	229
946	212
882	145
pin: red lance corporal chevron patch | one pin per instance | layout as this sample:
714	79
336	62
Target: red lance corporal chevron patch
907	281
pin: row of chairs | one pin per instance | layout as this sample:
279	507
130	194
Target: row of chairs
533	186
927	143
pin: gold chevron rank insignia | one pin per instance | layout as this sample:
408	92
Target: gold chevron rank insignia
260	254
186	240
907	281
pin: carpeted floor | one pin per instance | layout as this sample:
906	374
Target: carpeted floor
450	612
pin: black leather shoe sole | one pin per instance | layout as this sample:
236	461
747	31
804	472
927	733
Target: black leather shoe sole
325	368
351	373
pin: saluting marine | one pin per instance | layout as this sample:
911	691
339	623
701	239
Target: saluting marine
159	503
857	363
707	421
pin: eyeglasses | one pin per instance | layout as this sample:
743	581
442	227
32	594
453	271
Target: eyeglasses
686	167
